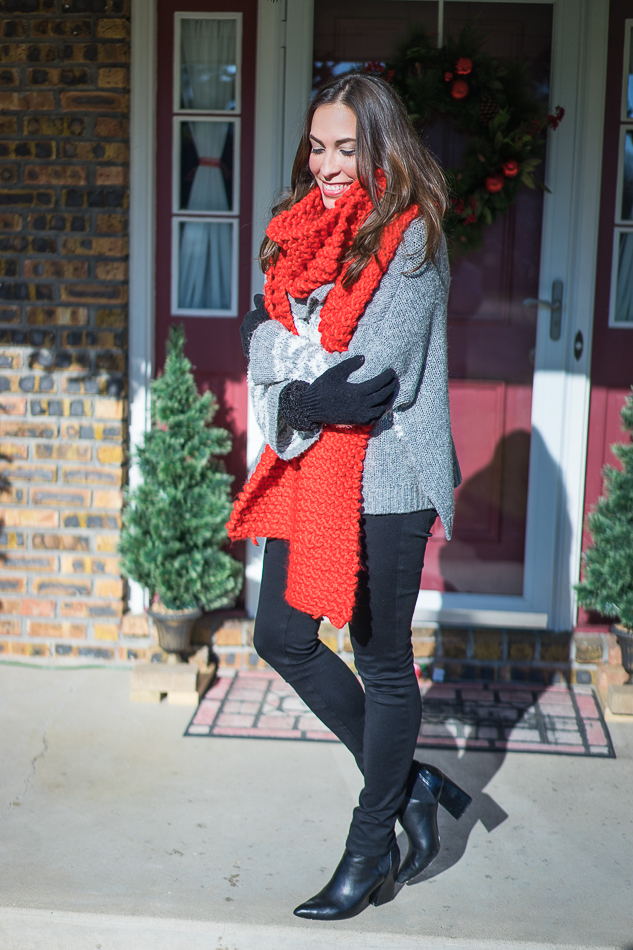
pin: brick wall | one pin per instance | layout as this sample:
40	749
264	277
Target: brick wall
63	291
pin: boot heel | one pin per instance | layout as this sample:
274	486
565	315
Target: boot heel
453	798
387	891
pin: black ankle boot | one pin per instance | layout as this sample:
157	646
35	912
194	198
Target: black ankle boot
358	881
426	788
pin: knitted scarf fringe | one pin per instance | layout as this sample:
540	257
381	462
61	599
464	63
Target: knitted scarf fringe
315	501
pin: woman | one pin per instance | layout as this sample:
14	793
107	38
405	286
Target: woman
349	384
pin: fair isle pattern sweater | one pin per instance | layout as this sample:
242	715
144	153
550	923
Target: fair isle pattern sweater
410	462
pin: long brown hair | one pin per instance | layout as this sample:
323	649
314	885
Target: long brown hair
385	139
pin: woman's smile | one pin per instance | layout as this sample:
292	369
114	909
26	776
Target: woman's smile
333	154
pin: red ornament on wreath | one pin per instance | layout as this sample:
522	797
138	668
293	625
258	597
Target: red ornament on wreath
448	77
464	66
460	89
494	184
510	169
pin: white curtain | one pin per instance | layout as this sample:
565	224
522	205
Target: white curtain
208	72
207	191
624	291
208	63
205	265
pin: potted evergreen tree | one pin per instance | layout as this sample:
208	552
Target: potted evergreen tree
608	582
173	523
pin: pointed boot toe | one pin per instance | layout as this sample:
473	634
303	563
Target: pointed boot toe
358	881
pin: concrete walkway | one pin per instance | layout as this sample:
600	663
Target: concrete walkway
118	834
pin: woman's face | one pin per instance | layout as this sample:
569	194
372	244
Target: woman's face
333	155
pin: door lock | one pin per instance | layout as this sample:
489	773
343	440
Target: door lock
555	307
579	345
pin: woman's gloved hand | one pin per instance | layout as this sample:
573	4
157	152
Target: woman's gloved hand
251	321
332	400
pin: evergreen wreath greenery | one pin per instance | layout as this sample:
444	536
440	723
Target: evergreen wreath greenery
174	522
608	564
492	102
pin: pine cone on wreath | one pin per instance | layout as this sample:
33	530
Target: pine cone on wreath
488	109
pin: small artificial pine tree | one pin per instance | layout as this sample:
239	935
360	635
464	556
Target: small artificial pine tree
608	583
173	523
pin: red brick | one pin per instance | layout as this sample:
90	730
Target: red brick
105	127
107	499
63	450
28	518
33	562
104	247
31	607
64	542
56	316
110	408
13	450
94	293
57	586
13	585
135	625
77	270
113	29
32	473
55	174
113	53
29	430
94	101
108	587
79	564
64	630
37	101
91	476
20	648
113	78
10	628
107	631
60	496
91	609
12	405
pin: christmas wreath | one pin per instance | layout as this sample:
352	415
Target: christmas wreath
489	100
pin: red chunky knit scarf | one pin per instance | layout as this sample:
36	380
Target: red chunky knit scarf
314	501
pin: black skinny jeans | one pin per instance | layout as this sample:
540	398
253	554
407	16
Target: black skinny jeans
380	724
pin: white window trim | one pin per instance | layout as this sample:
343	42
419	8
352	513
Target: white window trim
178	18
237	125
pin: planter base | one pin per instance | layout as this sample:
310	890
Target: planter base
182	683
620	700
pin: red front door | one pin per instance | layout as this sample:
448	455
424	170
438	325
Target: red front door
492	336
205	130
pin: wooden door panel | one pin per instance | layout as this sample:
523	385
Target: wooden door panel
492	438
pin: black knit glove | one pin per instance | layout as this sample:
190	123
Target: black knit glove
251	321
332	400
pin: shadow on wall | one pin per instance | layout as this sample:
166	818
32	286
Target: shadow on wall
487	552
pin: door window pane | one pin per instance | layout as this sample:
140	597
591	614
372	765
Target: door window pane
204	255
206	172
208	64
623	311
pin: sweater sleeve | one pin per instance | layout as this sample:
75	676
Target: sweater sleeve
393	333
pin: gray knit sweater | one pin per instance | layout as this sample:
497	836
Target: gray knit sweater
410	462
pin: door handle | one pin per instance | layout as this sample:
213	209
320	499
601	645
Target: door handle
555	307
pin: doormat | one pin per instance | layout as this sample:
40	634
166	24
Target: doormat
560	720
